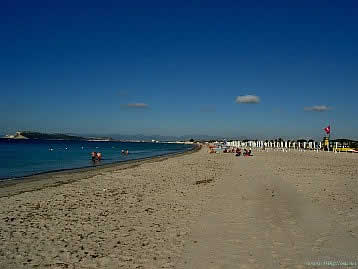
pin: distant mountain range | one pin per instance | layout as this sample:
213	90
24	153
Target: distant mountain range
143	137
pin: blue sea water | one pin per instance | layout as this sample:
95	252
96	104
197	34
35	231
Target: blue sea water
20	158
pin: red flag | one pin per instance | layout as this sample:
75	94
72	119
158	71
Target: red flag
327	129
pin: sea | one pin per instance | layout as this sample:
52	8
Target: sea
20	158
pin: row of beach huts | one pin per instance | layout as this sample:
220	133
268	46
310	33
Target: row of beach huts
289	144
275	144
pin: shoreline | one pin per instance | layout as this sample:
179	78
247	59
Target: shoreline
197	210
111	218
17	185
5	179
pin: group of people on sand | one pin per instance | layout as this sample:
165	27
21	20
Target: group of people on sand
238	151
245	153
96	156
125	152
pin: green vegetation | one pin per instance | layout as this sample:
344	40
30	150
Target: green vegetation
36	135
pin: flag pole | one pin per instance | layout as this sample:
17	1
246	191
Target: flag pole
329	134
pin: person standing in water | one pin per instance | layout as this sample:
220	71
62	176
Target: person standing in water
93	156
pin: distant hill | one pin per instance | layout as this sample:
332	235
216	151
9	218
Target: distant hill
37	135
143	137
43	136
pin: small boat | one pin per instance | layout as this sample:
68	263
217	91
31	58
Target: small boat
351	150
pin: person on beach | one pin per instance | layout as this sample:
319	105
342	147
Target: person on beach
127	152
247	152
122	152
99	156
93	156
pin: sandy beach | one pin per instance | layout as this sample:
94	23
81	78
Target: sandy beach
280	210
198	210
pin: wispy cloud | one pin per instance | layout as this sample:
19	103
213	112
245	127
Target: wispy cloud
248	99
321	108
135	105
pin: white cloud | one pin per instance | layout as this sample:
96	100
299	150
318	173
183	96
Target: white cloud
248	99
321	108
135	105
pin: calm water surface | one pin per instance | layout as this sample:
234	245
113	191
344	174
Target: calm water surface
26	157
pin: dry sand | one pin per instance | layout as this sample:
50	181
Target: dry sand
280	210
272	210
113	218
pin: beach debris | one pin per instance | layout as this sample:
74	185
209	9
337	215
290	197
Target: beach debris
145	243
7	219
149	210
204	181
38	205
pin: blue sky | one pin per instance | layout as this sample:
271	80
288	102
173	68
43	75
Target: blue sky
177	68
